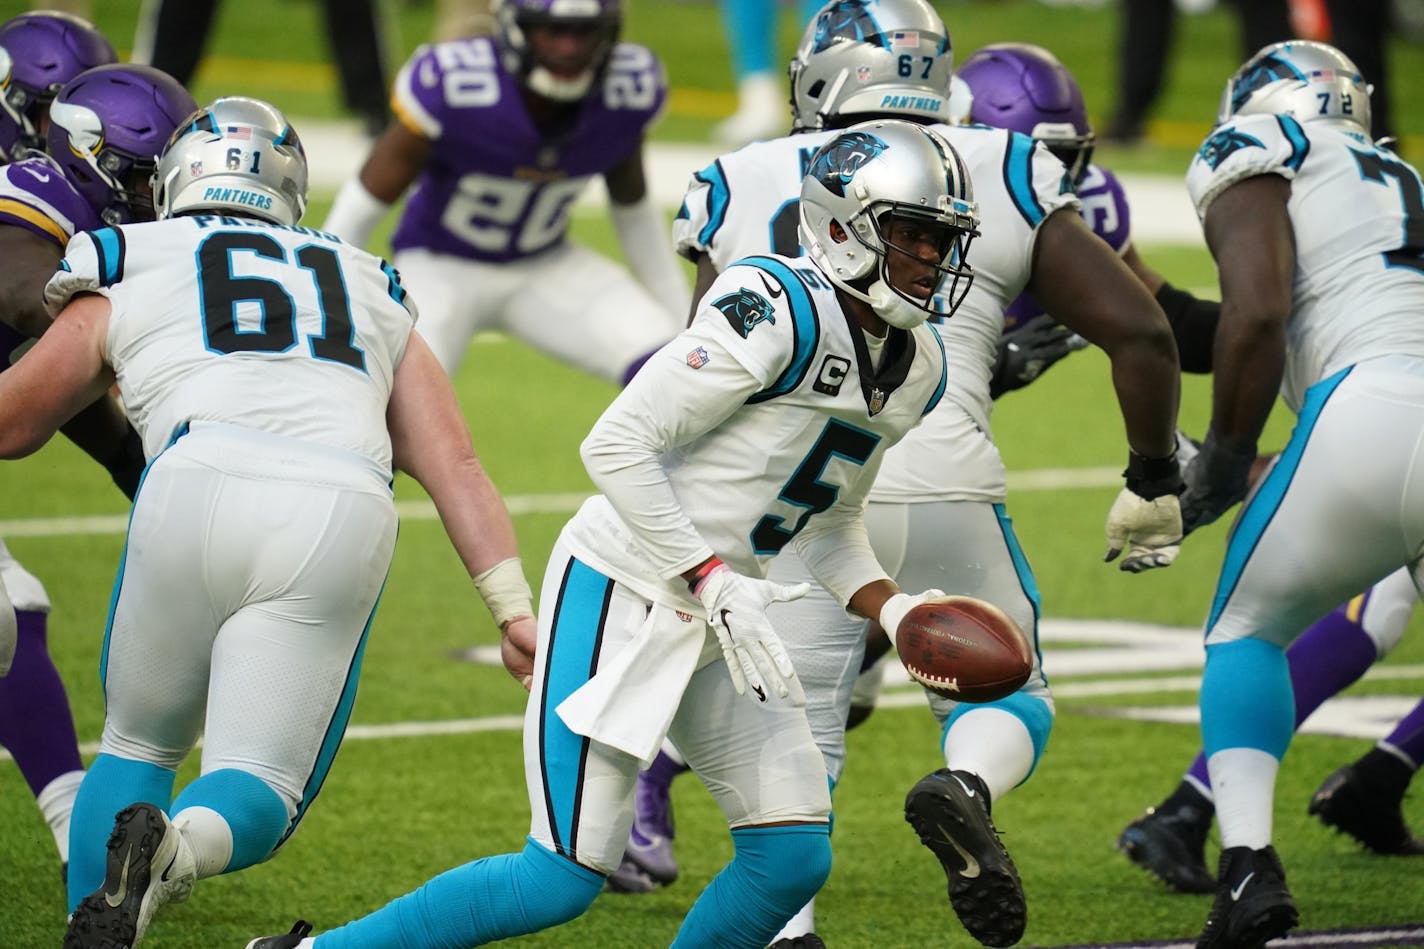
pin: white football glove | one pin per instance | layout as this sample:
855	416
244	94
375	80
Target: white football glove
9	632
898	605
736	609
1151	531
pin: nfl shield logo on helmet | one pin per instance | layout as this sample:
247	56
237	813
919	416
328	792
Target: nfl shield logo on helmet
698	358
195	168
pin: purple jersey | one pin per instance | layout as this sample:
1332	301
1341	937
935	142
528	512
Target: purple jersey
35	195
1104	207
496	189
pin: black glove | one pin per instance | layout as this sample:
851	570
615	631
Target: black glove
1028	351
1216	479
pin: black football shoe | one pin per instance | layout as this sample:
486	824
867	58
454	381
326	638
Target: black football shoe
1252	903
148	864
1368	808
950	812
807	941
1169	841
290	940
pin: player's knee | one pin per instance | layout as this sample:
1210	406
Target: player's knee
552	889
790	864
257	816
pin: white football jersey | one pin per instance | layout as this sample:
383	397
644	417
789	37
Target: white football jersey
281	329
1357	212
746	202
767	418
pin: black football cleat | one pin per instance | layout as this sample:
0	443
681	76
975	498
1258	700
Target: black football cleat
950	812
1252	903
290	940
1369	811
148	865
808	941
1169	841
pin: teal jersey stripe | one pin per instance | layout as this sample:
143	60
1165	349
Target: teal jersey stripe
943	376
1018	178
806	327
1262	507
1300	145
573	648
719	196
109	244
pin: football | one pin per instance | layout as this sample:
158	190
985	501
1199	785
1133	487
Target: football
964	649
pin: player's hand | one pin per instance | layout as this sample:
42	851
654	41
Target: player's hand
736	608
1216	478
1146	519
1027	352
895	608
9	632
1150	531
516	648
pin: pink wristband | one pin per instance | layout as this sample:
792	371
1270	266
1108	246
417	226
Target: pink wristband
703	572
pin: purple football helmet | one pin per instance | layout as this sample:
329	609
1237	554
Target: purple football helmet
39	53
107	127
1025	88
598	19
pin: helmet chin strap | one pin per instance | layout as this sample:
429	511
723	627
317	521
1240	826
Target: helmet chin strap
890	306
546	84
893	308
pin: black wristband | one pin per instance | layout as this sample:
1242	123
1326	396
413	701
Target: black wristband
1151	478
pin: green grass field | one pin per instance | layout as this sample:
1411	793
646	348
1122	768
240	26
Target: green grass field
398	809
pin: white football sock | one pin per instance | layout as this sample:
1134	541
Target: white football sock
992	744
799	925
1244	783
208	836
56	802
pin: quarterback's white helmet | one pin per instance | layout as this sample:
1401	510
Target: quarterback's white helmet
871	57
1306	80
238	155
869	176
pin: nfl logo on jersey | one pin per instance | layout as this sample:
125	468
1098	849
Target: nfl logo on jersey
698	358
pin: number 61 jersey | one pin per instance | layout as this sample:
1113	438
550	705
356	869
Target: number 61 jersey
1357	213
281	329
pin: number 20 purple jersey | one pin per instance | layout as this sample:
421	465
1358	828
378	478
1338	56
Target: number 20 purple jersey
496	189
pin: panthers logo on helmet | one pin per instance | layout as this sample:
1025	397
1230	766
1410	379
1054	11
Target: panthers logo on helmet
846	19
1222	144
839	159
1268	70
744	309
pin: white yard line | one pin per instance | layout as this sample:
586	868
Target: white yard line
1042	479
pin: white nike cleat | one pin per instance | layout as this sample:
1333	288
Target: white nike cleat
950	812
149	864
